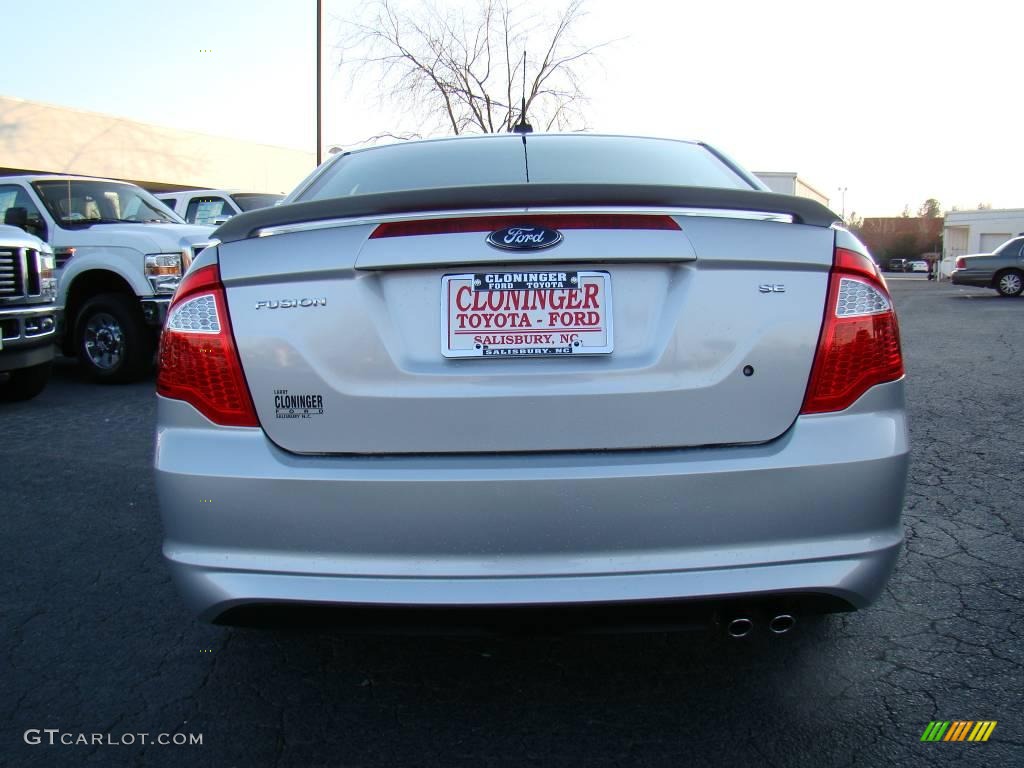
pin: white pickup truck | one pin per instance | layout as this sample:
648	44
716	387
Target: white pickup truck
120	254
215	206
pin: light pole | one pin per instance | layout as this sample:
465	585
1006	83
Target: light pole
843	191
319	62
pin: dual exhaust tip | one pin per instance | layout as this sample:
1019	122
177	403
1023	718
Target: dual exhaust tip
780	624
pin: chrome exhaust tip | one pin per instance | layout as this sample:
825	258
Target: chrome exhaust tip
782	623
740	627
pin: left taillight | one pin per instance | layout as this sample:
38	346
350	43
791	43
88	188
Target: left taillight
198	360
859	344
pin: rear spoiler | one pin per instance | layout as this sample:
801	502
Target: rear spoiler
484	197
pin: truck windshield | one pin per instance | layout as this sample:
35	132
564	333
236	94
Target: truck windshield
84	202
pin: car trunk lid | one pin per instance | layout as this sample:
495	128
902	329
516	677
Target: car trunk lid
713	327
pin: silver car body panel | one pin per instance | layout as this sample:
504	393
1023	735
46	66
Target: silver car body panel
689	318
815	511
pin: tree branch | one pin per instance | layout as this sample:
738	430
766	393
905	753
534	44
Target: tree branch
440	66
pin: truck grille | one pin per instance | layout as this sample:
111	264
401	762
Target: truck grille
19	272
10	272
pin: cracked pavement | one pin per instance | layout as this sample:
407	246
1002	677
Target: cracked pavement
96	640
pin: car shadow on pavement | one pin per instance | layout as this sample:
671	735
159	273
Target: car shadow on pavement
556	699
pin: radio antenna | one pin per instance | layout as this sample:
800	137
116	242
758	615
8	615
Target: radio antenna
522	126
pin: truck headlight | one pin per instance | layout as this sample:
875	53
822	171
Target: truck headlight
46	265
47	282
164	271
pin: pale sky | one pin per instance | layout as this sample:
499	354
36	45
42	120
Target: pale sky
897	101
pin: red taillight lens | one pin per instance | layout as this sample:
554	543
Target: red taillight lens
961	263
859	345
198	361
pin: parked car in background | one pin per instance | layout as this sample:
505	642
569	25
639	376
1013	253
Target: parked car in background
629	380
215	206
119	256
897	265
918	266
29	315
1002	270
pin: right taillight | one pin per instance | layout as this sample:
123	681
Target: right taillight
859	345
198	361
961	263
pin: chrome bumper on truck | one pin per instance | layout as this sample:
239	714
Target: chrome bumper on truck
815	512
27	335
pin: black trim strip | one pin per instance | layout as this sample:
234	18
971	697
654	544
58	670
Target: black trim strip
803	210
584	618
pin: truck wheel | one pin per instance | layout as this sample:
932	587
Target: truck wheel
112	339
26	383
1010	282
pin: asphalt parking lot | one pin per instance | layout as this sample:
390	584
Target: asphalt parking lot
95	640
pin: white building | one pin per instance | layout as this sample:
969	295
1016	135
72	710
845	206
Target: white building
790	184
980	231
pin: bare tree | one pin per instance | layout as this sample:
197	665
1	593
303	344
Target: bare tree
463	70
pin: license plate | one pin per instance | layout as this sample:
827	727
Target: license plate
526	314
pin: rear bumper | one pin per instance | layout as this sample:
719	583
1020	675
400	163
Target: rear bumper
971	277
816	511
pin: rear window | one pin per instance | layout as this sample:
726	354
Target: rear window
552	159
1011	247
422	165
626	160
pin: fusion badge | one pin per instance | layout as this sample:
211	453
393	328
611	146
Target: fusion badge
290	303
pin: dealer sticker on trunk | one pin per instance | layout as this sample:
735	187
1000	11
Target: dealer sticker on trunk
526	314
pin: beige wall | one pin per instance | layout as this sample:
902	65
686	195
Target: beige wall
37	137
803	189
790	184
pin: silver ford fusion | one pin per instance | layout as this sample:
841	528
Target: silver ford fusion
575	373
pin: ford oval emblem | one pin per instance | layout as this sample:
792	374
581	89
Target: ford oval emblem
524	237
